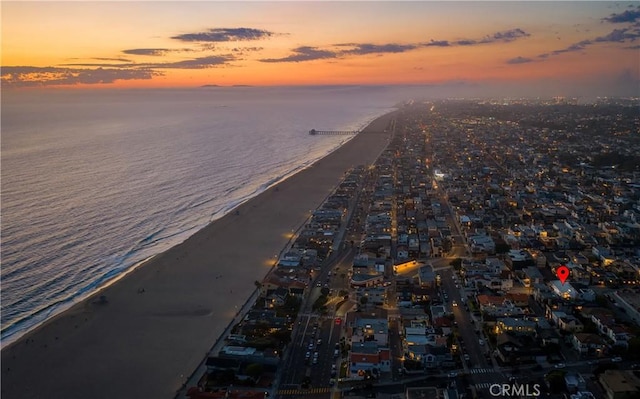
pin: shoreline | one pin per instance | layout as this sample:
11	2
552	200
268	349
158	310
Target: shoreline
164	315
15	332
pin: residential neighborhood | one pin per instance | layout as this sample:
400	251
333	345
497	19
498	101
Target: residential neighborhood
432	273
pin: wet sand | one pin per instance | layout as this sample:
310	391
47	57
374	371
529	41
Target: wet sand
160	320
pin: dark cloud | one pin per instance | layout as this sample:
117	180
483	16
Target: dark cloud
616	36
195	63
29	76
507	36
99	65
116	63
147	51
304	53
368	48
503	36
111	59
627	16
307	53
246	49
619	36
573	48
224	35
437	43
519	60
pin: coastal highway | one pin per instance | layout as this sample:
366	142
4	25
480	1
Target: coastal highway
315	335
312	328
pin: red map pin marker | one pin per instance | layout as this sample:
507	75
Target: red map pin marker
563	273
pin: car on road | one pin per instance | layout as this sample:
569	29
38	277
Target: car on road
338	320
466	357
481	342
454	303
319	342
616	359
560	366
453	374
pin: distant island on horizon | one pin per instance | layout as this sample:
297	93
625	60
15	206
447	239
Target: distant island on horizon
226	86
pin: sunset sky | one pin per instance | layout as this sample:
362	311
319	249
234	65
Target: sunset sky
189	44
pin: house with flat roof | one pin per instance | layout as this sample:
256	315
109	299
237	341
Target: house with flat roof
291	259
437	311
370	330
515	326
426	276
366	279
574	382
531	275
424	392
570	323
630	302
498	306
564	291
588	344
482	243
620	384
437	356
376	296
367	357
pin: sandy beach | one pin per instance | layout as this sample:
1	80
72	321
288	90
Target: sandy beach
161	319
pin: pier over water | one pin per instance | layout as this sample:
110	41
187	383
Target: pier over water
315	132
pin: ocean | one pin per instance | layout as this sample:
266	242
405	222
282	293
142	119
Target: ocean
96	181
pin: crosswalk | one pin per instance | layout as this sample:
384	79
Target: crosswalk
303	391
481	371
484	385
